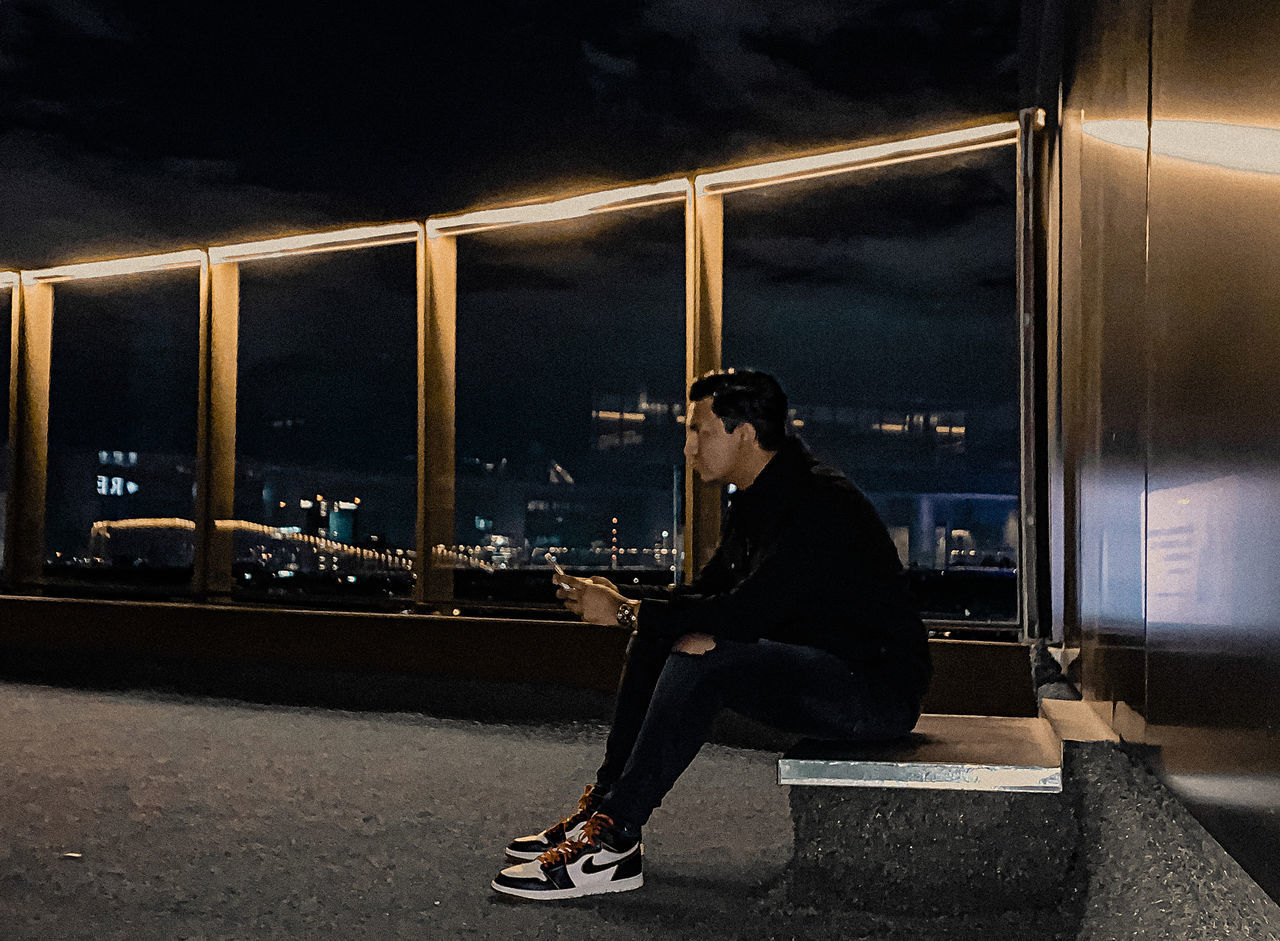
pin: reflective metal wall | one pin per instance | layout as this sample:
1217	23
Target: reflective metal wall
1169	337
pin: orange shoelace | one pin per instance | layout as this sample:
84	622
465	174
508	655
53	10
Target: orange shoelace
584	809
570	850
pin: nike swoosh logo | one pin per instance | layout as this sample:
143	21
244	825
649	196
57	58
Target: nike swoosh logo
589	868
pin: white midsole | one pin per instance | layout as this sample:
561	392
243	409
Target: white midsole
616	885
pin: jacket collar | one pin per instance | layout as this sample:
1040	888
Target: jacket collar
768	493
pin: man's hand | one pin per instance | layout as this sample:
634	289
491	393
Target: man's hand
595	600
696	644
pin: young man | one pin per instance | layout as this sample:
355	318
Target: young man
801	620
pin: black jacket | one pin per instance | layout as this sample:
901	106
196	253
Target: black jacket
803	559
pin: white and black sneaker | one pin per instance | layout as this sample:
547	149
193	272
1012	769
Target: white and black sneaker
531	847
603	858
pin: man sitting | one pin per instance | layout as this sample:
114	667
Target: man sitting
801	619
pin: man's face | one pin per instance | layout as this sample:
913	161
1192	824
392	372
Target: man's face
714	452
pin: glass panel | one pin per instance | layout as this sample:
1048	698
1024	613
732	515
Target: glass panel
326	441
570	404
122	431
885	302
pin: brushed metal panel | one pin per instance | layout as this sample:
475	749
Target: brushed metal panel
1104	368
1214	478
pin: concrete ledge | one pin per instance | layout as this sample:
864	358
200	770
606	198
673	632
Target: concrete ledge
873	828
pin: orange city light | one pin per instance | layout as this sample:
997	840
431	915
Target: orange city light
367	236
1231	146
858	158
140	264
558	210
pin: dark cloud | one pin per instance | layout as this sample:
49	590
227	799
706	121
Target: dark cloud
166	126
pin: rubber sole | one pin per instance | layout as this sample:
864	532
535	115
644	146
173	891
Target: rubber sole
550	895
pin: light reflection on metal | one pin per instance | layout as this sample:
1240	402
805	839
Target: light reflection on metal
559	210
1231	146
858	158
368	236
140	264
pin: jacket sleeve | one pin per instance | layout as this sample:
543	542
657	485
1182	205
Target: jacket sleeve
794	578
714	577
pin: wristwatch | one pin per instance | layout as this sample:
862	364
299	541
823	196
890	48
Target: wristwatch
627	614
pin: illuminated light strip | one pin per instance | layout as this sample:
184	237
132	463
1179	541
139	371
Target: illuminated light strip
858	158
558	210
369	236
1230	146
140	264
8	279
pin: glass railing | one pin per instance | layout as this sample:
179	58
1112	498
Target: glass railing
523	371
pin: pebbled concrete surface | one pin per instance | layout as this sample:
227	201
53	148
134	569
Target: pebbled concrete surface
135	815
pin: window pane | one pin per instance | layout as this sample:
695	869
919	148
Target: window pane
886	303
326	446
122	431
570	402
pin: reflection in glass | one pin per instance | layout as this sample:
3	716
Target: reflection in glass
122	431
570	403
326	444
885	301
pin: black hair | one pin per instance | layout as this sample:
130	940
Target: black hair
746	395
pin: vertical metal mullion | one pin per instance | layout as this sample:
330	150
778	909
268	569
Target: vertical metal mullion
1032	494
30	351
704	317
216	430
437	409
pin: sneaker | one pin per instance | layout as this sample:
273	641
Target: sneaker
604	858
531	847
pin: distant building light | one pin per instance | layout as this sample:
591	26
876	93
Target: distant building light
606	415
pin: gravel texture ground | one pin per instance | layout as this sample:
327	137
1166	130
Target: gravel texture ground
134	815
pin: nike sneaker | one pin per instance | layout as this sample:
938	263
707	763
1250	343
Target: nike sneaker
531	847
603	858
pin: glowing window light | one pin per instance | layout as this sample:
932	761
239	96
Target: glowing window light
1230	146
858	158
558	210
140	264
368	236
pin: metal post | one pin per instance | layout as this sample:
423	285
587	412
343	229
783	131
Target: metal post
29	359
437	409
216	430
1032	495
704	315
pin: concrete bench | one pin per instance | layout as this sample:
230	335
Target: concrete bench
965	814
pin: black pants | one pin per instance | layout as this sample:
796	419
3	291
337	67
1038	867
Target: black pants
667	701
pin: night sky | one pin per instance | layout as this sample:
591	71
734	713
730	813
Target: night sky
133	127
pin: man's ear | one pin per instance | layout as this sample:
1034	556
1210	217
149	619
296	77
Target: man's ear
747	433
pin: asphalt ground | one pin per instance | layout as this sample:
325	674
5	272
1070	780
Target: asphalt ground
136	816
144	815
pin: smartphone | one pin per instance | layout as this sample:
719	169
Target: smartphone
550	557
